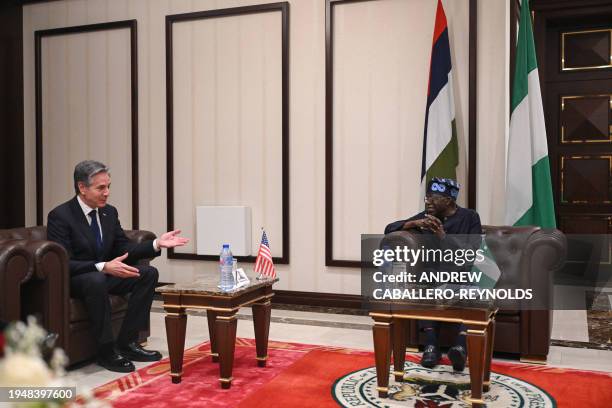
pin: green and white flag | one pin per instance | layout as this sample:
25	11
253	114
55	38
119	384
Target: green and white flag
529	199
489	268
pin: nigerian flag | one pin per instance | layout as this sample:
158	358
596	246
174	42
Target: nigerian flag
488	266
440	148
529	199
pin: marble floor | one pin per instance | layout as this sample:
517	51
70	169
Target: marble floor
323	328
586	318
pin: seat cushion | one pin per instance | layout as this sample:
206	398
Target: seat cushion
78	312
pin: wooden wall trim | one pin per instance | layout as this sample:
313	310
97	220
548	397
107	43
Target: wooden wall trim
292	297
472	103
329	114
542	5
38	36
24	2
12	207
283	7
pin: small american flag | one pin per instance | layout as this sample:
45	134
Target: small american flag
263	263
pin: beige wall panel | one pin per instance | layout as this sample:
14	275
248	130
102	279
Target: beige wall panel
227	120
382	51
95	104
55	121
32	17
76	12
151	126
493	109
118	141
307	271
307	154
77	91
98	10
185	169
86	115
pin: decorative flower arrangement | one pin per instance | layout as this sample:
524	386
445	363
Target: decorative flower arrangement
28	358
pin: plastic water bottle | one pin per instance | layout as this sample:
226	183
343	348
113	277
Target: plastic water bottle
226	262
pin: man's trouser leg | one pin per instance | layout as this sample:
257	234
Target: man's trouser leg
91	288
431	329
141	291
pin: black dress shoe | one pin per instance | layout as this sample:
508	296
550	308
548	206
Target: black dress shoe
135	352
114	362
456	355
431	356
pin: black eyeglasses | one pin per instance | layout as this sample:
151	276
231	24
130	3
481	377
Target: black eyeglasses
434	198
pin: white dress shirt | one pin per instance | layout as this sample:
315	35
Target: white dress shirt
86	210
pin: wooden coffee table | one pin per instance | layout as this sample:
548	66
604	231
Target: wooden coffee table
389	332
221	308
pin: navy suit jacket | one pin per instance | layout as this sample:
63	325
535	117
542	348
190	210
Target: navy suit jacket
69	227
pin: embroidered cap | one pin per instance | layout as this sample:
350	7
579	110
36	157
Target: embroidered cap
443	186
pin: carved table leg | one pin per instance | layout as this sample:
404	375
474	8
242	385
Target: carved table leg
176	324
476	342
211	316
261	322
489	355
399	348
225	339
412	336
382	351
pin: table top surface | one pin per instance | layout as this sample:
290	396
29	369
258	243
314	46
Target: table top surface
207	284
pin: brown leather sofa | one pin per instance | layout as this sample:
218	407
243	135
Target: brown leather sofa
16	268
527	256
45	289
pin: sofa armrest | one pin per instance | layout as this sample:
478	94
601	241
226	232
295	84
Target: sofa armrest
545	253
49	289
16	268
139	236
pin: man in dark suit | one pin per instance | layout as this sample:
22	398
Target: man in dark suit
100	263
443	216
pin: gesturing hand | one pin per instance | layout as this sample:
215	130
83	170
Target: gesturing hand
171	240
116	267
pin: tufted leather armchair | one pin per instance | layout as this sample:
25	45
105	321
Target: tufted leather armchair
527	257
34	280
16	268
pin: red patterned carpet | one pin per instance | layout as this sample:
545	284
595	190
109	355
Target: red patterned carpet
299	375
